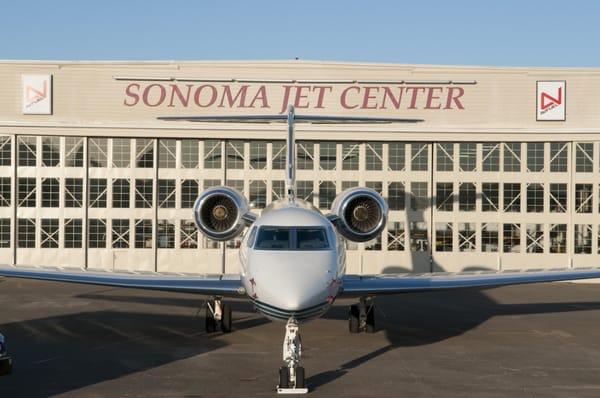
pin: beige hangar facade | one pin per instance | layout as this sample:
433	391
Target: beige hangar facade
502	172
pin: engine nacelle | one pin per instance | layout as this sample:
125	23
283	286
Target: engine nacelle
221	213
360	214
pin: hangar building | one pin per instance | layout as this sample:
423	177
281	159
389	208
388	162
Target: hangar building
503	172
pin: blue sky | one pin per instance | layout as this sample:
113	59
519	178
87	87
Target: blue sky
521	33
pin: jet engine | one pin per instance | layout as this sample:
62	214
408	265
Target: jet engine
221	213
359	214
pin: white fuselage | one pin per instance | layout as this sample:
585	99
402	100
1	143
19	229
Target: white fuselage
299	280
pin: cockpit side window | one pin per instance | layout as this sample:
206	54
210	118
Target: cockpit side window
273	238
311	239
251	237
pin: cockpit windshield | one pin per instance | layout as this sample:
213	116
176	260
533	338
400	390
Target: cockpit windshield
291	238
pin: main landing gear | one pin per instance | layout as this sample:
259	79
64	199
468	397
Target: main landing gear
292	379
362	316
218	316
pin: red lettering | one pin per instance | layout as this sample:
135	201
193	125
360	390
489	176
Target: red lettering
413	98
455	97
176	91
300	97
212	99
286	98
367	97
231	100
321	95
161	97
431	97
343	101
261	95
130	93
388	94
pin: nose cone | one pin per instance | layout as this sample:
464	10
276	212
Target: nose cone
291	281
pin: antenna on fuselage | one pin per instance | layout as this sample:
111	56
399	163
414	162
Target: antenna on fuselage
290	161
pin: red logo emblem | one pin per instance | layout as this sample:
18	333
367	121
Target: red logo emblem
547	100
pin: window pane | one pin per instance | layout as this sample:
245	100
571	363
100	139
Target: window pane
467	196
189	193
73	233
4	233
512	197
121	152
167	153
273	238
26	233
418	237
144	153
444	196
327	155
165	234
50	192
491	156
5	151
27	151
212	154
512	156
277	191
326	194
535	238
74	151
305	190
584	157
535	198
395	236
235	154
583	198
166	194
120	233
5	192
396	195
489	237
374	156
305	155
445	157
188	236
73	192
189	154
120	194
373	244
466	237
97	233
558	198
419	158
143	194
350	156
143	234
50	151
258	155
419	196
512	238
468	156
490	196
558	157
49	233
535	156
279	148
583	238
258	194
558	238
27	192
98	192
98	152
396	156
443	237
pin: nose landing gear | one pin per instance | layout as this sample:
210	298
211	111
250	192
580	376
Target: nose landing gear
218	316
292	379
362	316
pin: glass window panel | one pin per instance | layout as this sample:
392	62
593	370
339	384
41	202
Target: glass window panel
50	192
419	196
258	194
419	157
73	192
258	155
74	151
305	190
468	156
98	192
558	198
277	190
143	194
396	196
374	244
327	155
558	238
512	156
211	183
5	151
5	192
4	233
489	237
535	238
143	234
396	156
326	194
490	156
444	196
445	157
120	193
278	156
584	157
235	154
374	156
559	156
189	193
467	196
535	198
98	152
121	152
25	233
584	198
443	237
50	151
49	233
236	184
144	153
73	233
375	185
167	153
120	233
189	154
583	239
535	156
188	235
512	197
305	154
490	199
166	194
512	238
212	154
418	237
27	190
350	155
27	151
349	184
396	236
96	233
165	232
467	237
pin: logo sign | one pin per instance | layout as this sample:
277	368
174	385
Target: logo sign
37	94
551	100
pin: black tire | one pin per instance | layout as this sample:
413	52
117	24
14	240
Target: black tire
353	319
370	327
284	377
300	377
209	321
226	319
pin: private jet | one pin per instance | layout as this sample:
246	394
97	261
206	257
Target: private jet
292	256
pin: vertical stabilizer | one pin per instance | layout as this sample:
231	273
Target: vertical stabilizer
290	160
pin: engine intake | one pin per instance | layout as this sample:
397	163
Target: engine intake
219	213
360	214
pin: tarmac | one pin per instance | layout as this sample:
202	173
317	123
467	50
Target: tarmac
86	341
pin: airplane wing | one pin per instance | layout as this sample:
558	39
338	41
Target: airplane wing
374	285
210	285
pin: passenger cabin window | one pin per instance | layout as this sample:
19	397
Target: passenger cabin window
282	238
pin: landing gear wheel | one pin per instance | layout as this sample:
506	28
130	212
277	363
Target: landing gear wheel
353	319
300	378
209	321
284	377
370	326
226	319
